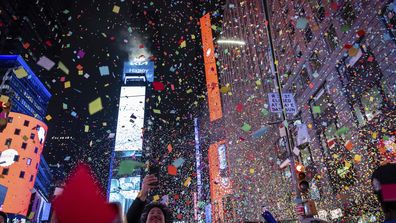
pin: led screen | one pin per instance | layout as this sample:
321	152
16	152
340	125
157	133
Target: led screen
130	118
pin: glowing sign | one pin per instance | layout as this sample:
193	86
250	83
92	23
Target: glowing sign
139	67
222	157
212	80
130	119
19	158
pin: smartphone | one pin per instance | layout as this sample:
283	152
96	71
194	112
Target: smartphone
154	170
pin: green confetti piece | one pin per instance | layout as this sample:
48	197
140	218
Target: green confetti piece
345	28
342	130
264	112
316	109
246	127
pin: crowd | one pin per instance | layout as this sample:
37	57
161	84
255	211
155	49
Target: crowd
141	211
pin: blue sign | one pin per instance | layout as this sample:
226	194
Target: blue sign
208	213
140	67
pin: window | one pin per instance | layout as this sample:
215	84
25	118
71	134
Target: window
16	158
308	34
304	77
318	9
5	171
17	132
389	18
26	123
32	135
22	174
29	161
348	13
24	145
371	102
315	61
8	142
35	150
331	38
10	119
31	178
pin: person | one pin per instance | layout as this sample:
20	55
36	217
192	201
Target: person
383	181
141	212
3	217
268	216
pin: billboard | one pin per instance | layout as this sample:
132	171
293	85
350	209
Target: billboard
133	68
212	80
129	135
21	144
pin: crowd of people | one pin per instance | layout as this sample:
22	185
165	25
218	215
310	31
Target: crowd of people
142	211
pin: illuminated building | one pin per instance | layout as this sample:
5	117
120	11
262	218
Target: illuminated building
123	188
24	140
21	143
339	70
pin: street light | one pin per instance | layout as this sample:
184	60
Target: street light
231	42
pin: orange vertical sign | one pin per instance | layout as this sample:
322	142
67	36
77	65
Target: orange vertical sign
212	80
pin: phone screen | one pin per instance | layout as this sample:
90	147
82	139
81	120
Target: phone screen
154	170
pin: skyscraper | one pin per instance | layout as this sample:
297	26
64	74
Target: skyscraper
124	185
23	138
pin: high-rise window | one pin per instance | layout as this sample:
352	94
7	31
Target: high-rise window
24	145
8	142
28	161
22	174
315	61
331	38
26	123
17	132
348	13
5	171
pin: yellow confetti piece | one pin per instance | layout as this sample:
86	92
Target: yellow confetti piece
48	117
374	135
20	73
86	128
258	82
183	44
224	89
95	106
189	91
116	9
67	84
157	111
156	198
63	67
358	158
80	72
187	182
192	36
310	126
251	171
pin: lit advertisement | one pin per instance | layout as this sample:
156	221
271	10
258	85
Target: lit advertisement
139	67
212	80
19	157
130	118
219	185
123	188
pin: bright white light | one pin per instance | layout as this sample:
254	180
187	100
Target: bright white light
229	41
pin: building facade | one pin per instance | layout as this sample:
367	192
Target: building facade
337	60
22	144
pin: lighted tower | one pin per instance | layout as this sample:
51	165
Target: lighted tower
22	140
124	187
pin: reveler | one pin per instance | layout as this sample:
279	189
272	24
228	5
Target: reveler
384	185
3	217
141	212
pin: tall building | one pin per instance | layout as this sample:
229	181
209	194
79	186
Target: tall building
124	185
23	138
336	60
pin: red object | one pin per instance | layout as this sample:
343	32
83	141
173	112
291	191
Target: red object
141	46
370	59
334	5
176	197
388	192
179	216
48	42
348	46
26	45
172	87
300	210
361	33
172	170
158	86
80	201
239	107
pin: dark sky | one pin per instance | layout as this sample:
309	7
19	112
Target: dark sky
106	37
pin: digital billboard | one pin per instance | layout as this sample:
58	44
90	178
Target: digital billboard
21	144
212	80
139	67
130	118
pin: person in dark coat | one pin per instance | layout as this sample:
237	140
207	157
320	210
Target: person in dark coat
143	212
268	216
384	185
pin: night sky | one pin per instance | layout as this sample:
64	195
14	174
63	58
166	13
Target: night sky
108	39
